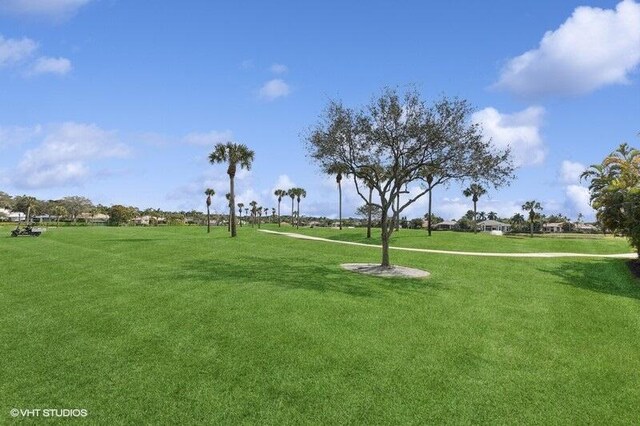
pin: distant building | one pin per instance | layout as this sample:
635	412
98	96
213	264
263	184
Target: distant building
585	227
446	225
553	228
493	225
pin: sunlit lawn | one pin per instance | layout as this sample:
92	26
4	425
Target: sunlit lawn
482	241
174	326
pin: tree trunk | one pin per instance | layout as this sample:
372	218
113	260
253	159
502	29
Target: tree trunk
208	221
298	220
279	224
369	218
397	215
339	205
385	240
292	224
531	228
475	218
232	202
429	215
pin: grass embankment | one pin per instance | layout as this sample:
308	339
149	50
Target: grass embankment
480	242
171	325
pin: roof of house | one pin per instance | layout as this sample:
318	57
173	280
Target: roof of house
492	223
553	224
446	223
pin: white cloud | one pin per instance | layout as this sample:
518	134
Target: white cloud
14	135
53	9
63	156
278	68
570	172
593	48
14	51
47	65
578	201
274	89
519	131
209	139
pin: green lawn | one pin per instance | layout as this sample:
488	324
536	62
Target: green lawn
173	326
480	242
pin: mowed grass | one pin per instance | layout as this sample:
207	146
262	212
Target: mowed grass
480	242
174	326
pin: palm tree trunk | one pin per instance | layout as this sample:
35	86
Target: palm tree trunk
339	205
369	214
232	202
292	224
429	214
208	221
475	218
279	224
298	220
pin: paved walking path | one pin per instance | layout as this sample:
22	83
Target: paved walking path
458	253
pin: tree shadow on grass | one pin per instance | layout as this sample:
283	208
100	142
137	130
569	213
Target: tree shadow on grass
608	276
300	274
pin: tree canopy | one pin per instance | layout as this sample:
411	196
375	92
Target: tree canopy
615	192
392	141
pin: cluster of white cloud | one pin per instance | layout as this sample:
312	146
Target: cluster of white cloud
21	53
64	154
593	48
49	9
277	87
274	89
519	132
577	196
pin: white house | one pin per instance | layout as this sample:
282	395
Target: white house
446	225
493	225
554	228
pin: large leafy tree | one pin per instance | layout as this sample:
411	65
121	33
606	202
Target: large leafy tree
279	193
235	155
209	193
532	207
475	191
615	192
76	205
389	142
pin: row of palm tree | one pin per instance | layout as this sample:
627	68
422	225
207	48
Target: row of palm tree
295	194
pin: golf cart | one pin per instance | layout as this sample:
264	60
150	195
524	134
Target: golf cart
27	231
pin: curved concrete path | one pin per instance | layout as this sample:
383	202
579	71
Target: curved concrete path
457	253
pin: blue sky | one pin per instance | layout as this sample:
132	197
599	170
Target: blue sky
122	101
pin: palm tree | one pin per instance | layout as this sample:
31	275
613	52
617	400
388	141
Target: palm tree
273	214
230	205
240	206
209	193
339	170
299	193
475	191
492	216
531	207
291	193
279	193
59	211
234	155
253	205
482	216
259	217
